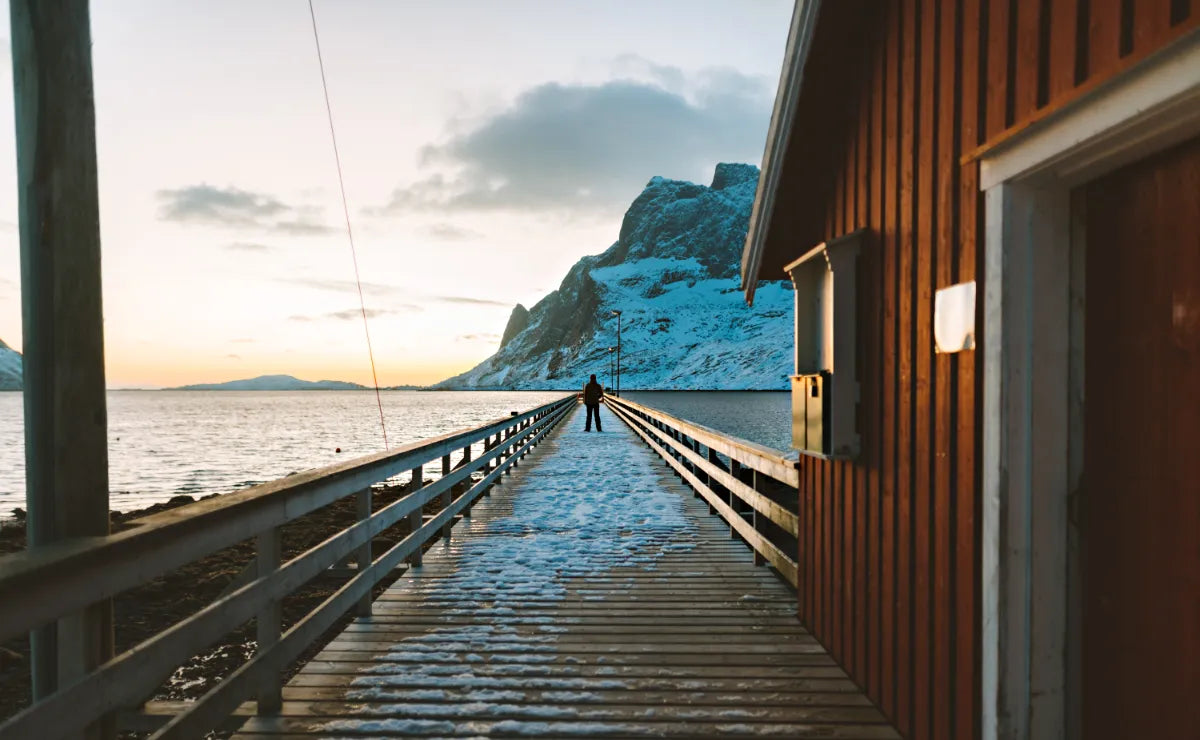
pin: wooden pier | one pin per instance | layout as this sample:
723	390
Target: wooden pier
634	582
577	623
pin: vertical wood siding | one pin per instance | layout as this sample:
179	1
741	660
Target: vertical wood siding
889	546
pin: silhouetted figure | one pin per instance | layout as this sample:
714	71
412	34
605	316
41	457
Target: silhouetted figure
592	393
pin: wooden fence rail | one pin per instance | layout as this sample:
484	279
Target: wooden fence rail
754	488
40	585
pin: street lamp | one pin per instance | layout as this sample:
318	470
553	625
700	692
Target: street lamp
618	315
610	367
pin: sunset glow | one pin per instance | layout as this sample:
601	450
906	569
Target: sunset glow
486	147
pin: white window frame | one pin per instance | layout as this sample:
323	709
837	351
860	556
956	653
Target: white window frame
1033	378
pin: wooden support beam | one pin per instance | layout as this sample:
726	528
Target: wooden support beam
754	519
414	519
365	556
66	435
446	496
268	625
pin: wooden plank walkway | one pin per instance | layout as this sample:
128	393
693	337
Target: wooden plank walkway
590	594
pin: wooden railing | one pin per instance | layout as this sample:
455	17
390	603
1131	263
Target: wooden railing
44	584
752	487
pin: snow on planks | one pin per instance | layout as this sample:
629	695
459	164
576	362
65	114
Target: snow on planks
591	594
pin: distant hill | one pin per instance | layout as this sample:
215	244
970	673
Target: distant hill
273	383
673	273
11	373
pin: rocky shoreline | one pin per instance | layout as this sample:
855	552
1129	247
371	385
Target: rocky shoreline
147	610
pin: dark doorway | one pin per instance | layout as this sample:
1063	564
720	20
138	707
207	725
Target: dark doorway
1139	503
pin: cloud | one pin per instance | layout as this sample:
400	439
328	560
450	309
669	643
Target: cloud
248	247
355	314
383	290
233	357
231	206
243	340
491	338
589	148
345	286
451	233
471	301
218	205
301	227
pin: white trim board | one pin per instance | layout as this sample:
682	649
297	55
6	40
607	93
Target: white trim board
1142	111
1030	368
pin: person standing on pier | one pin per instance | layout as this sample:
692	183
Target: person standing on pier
592	393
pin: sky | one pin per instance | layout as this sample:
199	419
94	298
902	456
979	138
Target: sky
486	147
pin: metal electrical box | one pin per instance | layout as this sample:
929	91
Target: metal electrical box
810	409
825	386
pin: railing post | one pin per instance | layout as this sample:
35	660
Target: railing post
758	558
735	469
715	461
446	498
507	450
364	552
416	519
268	623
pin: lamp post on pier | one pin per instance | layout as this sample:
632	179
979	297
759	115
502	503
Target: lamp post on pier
610	366
618	315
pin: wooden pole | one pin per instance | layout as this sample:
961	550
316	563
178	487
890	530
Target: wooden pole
364	506
268	625
66	435
446	498
417	518
618	355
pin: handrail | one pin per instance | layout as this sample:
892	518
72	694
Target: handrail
109	565
766	460
678	443
43	583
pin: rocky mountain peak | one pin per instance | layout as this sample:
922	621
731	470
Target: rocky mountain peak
518	320
673	274
729	174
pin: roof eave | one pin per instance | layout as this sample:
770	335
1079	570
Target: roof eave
804	21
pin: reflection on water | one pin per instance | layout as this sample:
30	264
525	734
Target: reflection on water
165	443
764	417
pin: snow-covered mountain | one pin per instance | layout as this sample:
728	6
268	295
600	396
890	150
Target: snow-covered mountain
11	375
673	275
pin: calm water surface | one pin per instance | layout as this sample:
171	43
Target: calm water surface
764	417
166	443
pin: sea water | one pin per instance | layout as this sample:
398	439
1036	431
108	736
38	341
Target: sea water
167	443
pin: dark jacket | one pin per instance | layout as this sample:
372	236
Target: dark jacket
592	392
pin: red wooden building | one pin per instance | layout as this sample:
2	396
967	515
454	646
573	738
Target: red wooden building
999	504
